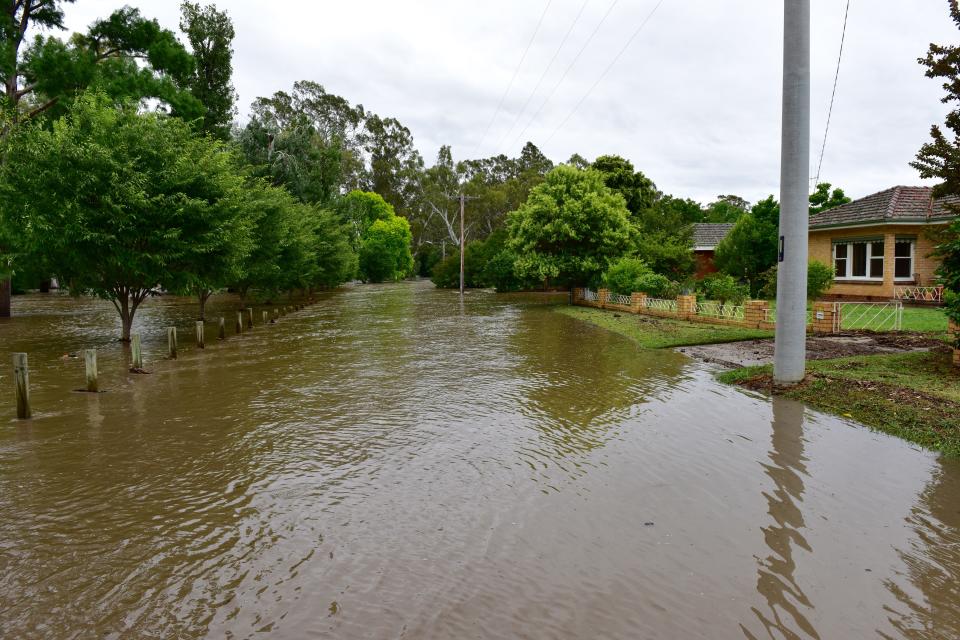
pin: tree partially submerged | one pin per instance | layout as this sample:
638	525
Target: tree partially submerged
121	202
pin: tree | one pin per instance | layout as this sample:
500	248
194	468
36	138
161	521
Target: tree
638	190
823	198
358	210
210	33
630	275
750	248
570	228
126	56
385	254
726	209
940	159
120	202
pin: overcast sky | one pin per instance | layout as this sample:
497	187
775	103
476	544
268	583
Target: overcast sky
694	101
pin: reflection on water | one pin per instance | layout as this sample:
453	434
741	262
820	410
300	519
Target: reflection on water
787	604
398	462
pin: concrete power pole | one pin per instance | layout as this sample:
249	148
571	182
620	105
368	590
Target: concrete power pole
789	365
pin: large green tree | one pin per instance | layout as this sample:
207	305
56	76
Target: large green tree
823	198
750	249
120	202
639	191
939	159
385	253
210	33
570	228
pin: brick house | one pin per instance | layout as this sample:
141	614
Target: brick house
880	245
706	237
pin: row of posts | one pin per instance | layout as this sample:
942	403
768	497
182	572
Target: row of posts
21	372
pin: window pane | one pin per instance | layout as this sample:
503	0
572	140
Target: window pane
876	267
859	259
840	250
903	268
903	249
876	250
840	267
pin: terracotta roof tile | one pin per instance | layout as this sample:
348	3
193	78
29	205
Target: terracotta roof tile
707	235
892	205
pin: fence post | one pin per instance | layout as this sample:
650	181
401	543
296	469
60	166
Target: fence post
755	313
249	317
603	295
239	324
266	319
686	306
172	343
577	295
137	349
638	302
90	365
222	328
21	381
826	317
955	334
199	327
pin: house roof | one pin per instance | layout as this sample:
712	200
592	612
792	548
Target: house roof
707	235
898	204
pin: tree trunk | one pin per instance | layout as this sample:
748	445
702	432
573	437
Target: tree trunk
203	296
126	317
5	291
45	286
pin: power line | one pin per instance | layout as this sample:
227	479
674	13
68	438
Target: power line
567	70
833	96
543	75
607	70
513	79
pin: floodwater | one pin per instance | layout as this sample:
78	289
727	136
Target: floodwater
391	463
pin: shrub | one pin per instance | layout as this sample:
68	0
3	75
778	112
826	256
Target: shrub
819	281
723	288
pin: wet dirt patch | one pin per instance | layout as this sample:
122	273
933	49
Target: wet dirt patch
752	353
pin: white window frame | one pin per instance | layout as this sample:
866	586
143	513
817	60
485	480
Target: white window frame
913	259
870	257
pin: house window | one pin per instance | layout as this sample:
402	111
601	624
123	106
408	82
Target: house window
903	259
858	260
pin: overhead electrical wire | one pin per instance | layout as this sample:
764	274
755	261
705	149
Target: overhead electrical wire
833	96
567	71
543	75
513	79
607	70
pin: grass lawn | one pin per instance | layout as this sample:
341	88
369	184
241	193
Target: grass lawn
661	333
915	396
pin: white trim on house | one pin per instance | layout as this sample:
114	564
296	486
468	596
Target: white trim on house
713	248
860	225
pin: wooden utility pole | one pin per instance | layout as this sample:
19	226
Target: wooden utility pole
463	243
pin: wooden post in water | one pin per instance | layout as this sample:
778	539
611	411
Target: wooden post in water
137	350
266	318
276	314
222	328
199	326
172	343
249	317
90	364
239	324
21	380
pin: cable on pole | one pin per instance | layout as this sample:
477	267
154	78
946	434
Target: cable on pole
516	72
833	96
567	70
607	70
543	75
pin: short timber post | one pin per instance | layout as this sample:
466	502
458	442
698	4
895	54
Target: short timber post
686	306
172	343
249	317
603	295
276	314
222	328
199	326
955	334
266	317
21	380
238	328
638	302
90	364
755	313
137	349
826	318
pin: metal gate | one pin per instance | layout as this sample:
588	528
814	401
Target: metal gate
868	316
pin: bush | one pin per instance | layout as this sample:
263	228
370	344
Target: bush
723	288
500	274
819	281
625	275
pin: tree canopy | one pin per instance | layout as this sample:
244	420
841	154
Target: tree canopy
210	33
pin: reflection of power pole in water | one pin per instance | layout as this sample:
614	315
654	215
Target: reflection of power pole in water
775	575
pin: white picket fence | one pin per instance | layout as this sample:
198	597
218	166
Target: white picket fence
722	311
661	304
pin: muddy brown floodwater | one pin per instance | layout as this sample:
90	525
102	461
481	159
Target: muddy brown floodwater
391	463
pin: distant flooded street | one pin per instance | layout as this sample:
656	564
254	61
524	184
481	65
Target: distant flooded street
395	463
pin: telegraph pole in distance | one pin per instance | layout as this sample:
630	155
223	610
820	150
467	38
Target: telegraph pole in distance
463	241
789	366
